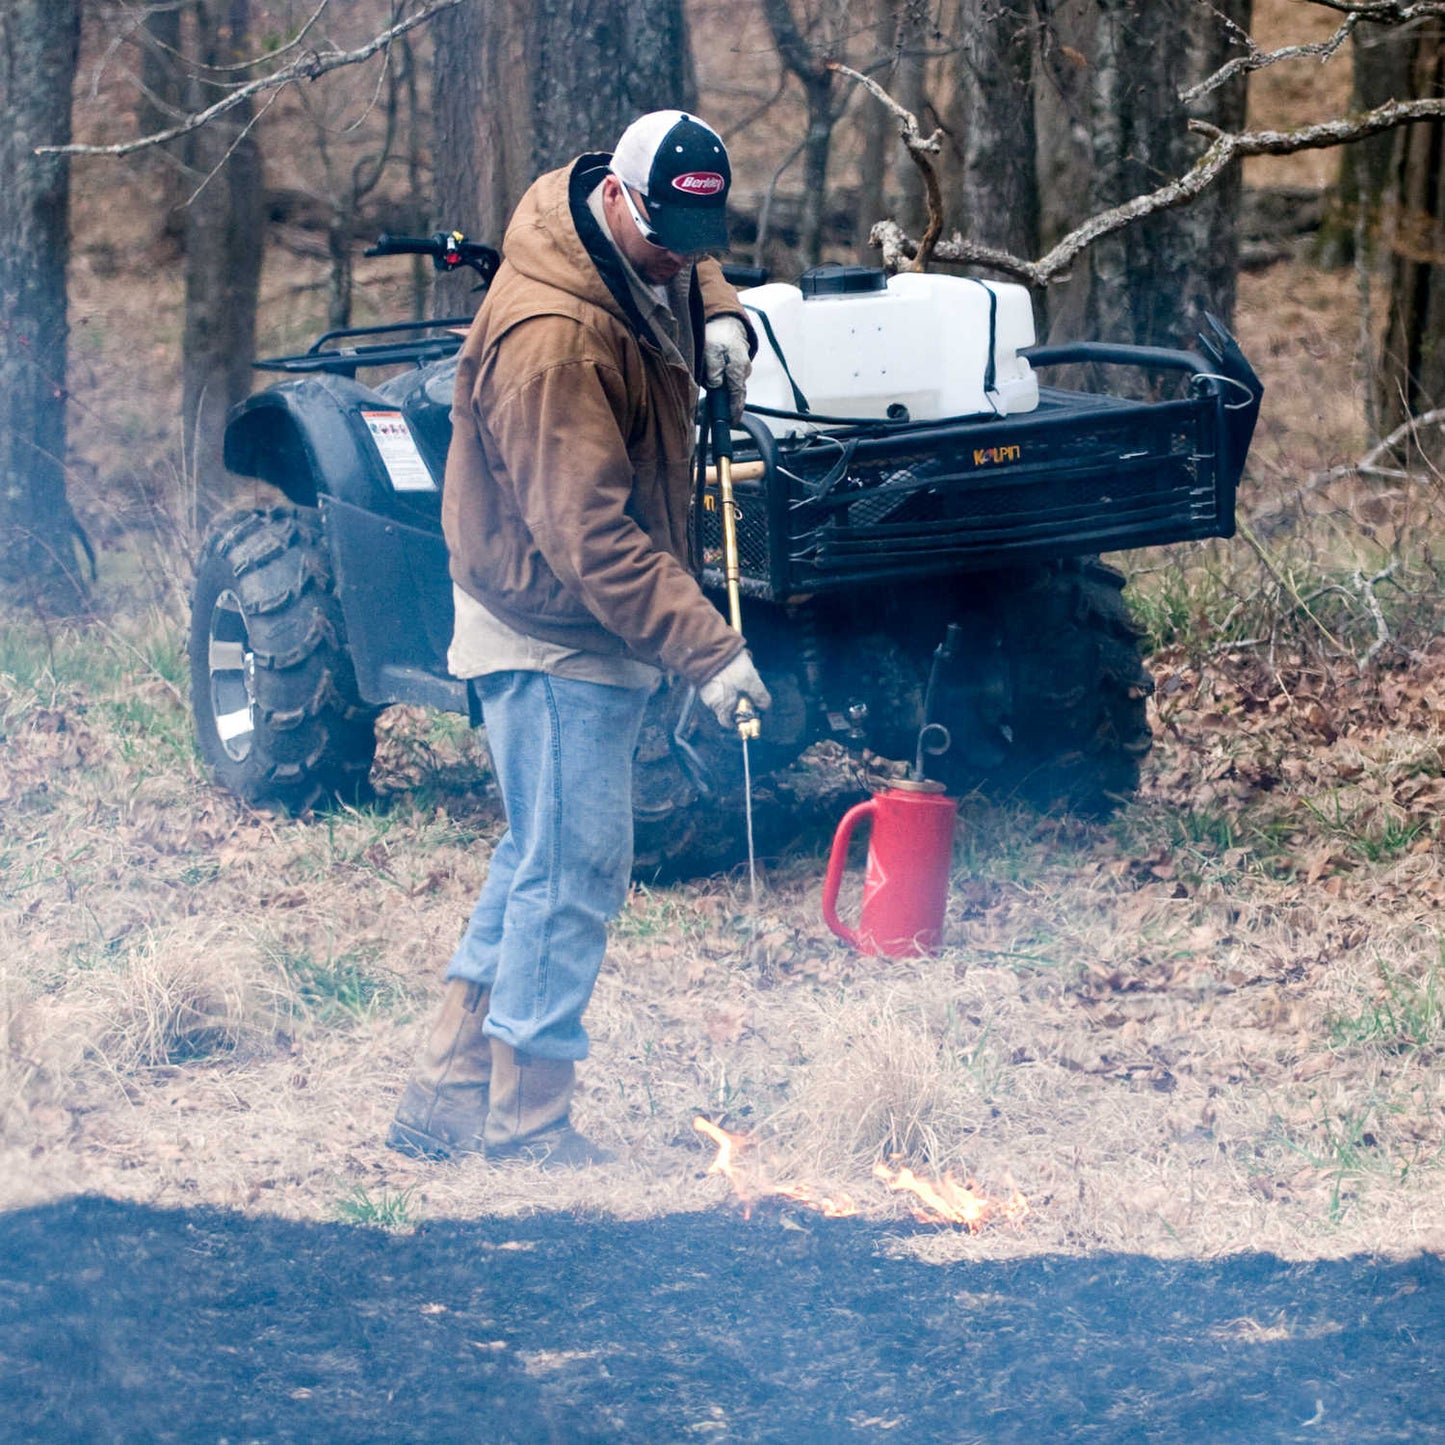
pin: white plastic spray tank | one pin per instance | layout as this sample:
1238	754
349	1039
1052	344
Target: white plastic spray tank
851	342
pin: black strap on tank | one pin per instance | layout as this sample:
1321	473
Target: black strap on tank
990	371
799	400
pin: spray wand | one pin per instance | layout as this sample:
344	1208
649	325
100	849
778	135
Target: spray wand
748	725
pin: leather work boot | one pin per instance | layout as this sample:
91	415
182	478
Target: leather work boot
444	1109
528	1118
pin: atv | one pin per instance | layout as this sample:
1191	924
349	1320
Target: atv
919	525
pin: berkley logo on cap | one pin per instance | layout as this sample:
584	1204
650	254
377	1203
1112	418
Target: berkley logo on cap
699	183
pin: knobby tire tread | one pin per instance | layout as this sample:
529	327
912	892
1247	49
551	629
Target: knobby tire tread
314	738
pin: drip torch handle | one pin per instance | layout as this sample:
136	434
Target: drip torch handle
720	423
720	417
837	860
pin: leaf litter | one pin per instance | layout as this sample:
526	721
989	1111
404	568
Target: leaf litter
1211	1024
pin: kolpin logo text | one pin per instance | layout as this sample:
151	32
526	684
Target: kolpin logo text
993	456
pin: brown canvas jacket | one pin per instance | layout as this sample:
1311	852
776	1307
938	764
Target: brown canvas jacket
568	481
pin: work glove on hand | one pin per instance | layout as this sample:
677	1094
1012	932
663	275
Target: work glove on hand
739	679
725	359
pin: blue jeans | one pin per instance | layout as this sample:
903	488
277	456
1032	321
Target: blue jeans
562	752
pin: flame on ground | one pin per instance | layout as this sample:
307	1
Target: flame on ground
943	1201
947	1201
750	1186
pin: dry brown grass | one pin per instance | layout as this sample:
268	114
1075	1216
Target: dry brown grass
1213	1025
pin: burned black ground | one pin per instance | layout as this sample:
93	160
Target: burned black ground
120	1322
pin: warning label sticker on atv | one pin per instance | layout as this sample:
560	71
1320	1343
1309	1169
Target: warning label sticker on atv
399	455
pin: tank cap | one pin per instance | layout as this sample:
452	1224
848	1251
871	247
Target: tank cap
912	785
835	279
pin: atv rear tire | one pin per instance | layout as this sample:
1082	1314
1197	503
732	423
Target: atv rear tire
1078	691
277	715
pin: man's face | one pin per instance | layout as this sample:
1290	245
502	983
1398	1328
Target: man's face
654	263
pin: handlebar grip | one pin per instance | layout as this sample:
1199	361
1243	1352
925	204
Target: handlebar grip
404	246
736	274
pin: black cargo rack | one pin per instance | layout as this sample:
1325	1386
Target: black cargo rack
407	345
1085	472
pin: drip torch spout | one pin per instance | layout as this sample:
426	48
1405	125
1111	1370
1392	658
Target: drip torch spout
933	738
933	741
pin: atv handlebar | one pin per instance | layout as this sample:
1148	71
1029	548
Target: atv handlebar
449	251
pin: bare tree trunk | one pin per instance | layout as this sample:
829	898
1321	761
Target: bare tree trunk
348	186
1411	373
817	82
598	65
340	233
1152	283
991	176
224	242
520	89
478	116
911	92
418	203
1064	40
39	44
879	137
816	152
159	105
1382	63
1382	59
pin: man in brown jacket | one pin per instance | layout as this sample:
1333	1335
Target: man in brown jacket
565	510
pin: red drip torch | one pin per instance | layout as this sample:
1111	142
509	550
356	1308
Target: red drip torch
910	853
910	858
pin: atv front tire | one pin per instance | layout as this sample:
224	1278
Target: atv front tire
273	694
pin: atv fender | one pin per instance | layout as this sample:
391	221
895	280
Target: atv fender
308	438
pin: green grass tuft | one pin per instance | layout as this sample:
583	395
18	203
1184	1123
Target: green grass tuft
1406	1015
348	988
388	1210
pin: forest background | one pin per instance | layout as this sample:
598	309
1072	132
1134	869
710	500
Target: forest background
1214	1021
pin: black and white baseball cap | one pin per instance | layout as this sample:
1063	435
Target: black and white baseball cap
680	167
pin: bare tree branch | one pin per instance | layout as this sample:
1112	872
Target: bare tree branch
126	33
231	149
921	149
1257	59
1385	13
310	66
766	211
1369	465
899	249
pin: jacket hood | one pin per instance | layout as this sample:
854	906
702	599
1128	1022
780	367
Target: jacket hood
554	239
